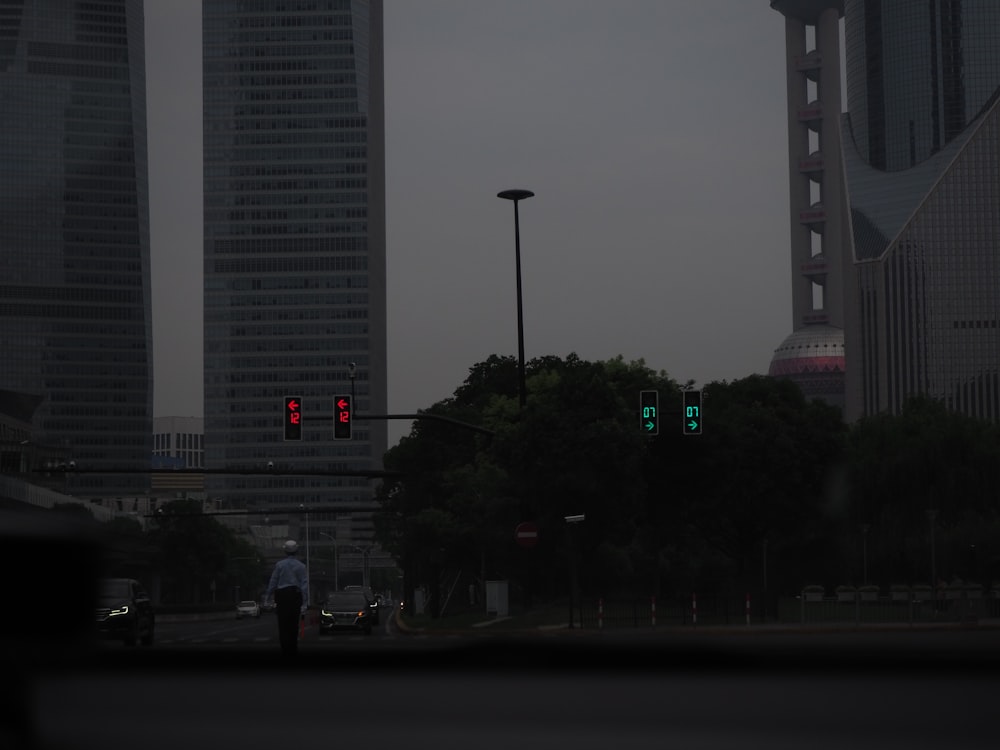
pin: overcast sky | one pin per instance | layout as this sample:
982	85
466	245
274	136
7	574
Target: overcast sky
652	133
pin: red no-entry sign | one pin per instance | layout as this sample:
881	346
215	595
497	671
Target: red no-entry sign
526	534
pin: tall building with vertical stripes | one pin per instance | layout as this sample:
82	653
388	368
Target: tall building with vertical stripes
919	218
294	256
75	309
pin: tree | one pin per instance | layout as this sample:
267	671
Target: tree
926	458
576	447
194	551
761	472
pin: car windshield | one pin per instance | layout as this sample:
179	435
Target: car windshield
347	599
248	605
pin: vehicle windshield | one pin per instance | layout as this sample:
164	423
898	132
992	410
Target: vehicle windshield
346	599
249	605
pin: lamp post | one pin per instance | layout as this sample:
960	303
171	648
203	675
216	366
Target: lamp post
515	196
236	587
336	563
932	518
574	584
364	563
864	551
308	572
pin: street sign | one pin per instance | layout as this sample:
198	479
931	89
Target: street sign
526	534
692	413
649	412
342	415
292	417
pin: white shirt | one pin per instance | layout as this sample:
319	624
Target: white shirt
289	572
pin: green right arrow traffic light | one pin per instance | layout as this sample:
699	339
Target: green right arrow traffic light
649	411
692	413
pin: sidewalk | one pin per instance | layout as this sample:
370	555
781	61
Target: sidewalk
442	627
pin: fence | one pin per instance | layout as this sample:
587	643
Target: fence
693	610
899	607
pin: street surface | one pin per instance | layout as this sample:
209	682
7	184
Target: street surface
251	631
222	684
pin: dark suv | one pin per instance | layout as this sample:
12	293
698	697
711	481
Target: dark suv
373	601
124	611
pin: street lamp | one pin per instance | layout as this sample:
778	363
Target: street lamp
932	518
336	564
515	196
308	575
864	551
574	584
364	562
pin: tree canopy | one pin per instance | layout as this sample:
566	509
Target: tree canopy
773	494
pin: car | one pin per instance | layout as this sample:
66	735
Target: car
124	612
374	602
247	609
345	610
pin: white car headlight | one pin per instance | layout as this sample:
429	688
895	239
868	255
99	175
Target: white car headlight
122	611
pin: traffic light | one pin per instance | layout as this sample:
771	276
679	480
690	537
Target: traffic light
649	412
342	415
692	414
293	417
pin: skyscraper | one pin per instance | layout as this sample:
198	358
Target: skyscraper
916	214
922	162
75	312
295	301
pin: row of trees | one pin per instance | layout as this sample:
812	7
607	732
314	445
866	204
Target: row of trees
776	493
186	557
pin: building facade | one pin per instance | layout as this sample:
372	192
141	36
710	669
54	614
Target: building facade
922	161
294	255
75	311
180	439
916	209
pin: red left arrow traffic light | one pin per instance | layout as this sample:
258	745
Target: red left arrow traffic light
342	416
293	417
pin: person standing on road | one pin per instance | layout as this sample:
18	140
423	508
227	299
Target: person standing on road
289	590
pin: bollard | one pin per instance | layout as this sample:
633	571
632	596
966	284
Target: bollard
652	604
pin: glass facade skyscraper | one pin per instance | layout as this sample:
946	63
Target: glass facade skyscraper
75	312
294	254
922	167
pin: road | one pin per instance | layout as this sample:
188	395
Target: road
258	631
926	689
